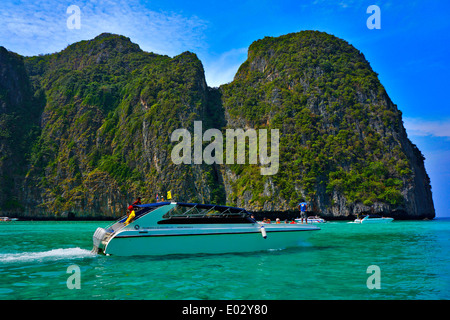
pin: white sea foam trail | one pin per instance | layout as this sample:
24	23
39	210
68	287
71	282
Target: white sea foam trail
51	255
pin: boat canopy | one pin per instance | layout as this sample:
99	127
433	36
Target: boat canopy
210	213
150	205
197	205
219	208
183	212
374	216
199	213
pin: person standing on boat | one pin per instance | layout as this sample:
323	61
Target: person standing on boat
131	215
303	206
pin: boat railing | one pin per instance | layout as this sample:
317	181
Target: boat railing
120	223
195	212
194	209
117	225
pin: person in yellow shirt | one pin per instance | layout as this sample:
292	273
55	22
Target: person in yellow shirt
131	215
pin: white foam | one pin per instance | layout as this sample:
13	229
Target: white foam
55	254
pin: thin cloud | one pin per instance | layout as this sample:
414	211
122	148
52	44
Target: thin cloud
420	127
41	27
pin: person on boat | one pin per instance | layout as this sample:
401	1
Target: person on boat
137	202
131	214
303	206
293	222
277	221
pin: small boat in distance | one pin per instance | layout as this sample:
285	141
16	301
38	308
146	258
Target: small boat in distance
312	219
4	219
373	218
186	228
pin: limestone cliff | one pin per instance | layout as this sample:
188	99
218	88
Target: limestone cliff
96	121
343	145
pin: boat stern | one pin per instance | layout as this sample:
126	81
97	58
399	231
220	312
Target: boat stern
99	240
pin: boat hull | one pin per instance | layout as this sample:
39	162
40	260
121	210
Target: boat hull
185	240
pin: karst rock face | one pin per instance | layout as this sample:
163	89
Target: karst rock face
86	130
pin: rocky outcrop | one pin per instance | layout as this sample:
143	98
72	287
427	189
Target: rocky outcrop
99	117
19	117
343	147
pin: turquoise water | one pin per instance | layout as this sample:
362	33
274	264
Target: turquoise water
413	258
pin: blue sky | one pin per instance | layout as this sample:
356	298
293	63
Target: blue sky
410	52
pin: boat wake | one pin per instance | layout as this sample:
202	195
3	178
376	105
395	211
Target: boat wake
51	255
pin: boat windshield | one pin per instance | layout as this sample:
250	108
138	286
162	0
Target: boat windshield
195	210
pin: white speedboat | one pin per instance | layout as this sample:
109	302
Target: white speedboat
311	219
371	218
8	219
186	228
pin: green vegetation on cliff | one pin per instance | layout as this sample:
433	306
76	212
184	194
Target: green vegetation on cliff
20	109
338	125
110	110
96	120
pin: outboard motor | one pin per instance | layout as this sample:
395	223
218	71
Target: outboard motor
99	235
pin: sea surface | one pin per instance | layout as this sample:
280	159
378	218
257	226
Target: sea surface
400	260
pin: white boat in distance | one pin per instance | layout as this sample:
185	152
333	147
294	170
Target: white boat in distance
8	219
372	218
311	219
186	228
